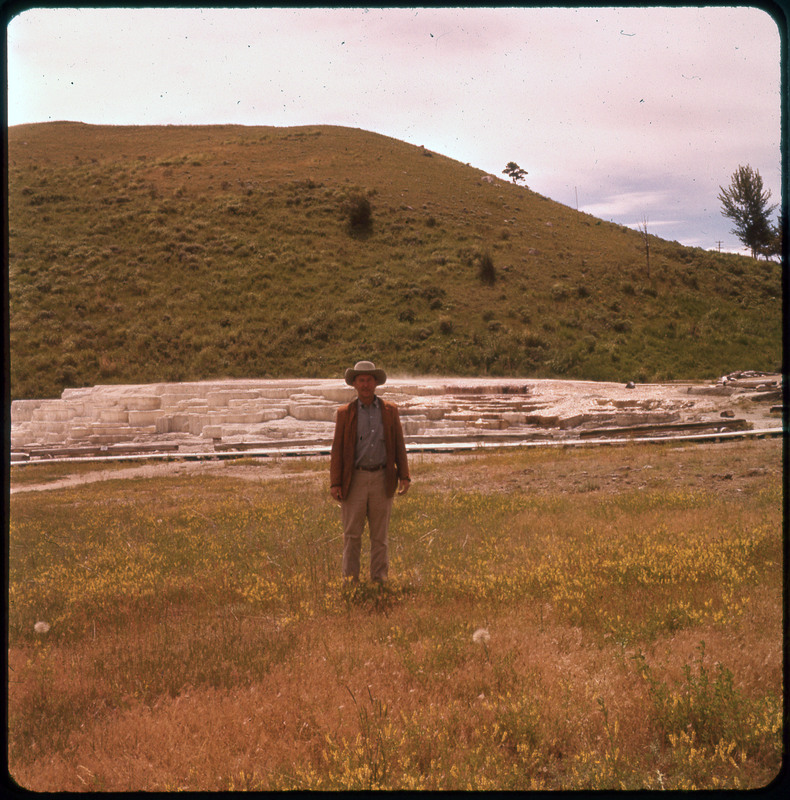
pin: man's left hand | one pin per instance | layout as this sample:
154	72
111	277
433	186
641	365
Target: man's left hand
404	487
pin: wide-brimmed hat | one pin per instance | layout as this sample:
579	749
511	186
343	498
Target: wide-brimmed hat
365	368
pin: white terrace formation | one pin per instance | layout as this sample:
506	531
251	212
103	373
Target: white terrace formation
243	414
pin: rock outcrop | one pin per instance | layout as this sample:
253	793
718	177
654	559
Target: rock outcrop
238	414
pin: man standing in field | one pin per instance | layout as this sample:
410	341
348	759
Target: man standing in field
367	465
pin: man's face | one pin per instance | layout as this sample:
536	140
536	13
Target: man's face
366	388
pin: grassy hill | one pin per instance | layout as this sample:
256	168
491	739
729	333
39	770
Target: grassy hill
141	254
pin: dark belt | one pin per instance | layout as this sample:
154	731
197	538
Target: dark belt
373	469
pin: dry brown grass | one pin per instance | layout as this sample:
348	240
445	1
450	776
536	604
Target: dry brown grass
205	738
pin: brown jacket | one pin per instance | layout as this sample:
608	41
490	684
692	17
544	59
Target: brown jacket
341	466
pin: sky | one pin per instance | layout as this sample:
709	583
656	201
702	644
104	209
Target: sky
634	115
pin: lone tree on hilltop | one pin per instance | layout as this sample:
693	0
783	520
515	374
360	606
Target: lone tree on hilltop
514	171
745	202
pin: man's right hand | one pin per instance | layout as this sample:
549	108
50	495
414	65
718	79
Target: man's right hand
337	493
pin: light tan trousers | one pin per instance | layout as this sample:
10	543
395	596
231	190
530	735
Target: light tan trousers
367	499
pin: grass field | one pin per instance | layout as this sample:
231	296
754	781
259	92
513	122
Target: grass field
616	625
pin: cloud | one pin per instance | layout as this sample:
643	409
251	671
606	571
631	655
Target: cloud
627	204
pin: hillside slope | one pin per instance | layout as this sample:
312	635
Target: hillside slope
142	254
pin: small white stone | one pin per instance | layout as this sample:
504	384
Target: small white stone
41	627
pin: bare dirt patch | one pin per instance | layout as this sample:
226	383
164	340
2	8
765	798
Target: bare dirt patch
730	466
32	478
723	467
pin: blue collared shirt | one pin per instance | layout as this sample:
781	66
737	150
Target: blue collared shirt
370	450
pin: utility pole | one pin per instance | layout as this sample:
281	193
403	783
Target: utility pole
719	244
643	229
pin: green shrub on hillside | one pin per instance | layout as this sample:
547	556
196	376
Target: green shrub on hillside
486	269
358	213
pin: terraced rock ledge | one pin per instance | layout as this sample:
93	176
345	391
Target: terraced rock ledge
232	416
